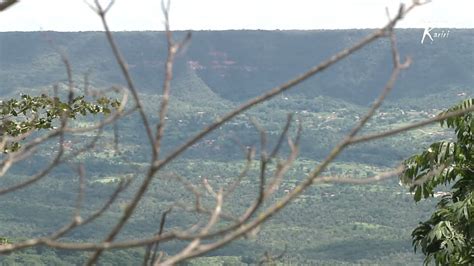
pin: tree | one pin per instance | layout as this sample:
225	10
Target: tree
448	235
22	117
215	227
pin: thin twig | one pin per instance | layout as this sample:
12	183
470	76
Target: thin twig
6	4
155	246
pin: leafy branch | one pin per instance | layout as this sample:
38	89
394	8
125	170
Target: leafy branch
32	113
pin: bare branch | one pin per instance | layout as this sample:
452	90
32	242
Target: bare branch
412	126
123	67
196	243
151	260
172	49
315	173
360	181
277	147
248	164
6	4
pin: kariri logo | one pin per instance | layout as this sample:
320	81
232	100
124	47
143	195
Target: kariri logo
432	34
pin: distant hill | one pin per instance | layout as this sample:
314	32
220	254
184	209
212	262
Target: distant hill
237	65
332	224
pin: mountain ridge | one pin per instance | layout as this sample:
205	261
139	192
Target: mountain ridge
238	65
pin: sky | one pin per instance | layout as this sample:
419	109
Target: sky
132	15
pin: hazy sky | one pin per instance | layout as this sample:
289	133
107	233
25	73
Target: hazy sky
75	15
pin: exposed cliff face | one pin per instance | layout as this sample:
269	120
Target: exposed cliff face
239	64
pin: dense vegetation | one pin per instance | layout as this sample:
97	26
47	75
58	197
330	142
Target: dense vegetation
331	224
447	237
33	113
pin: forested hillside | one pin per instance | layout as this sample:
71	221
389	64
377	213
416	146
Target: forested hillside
329	224
240	64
